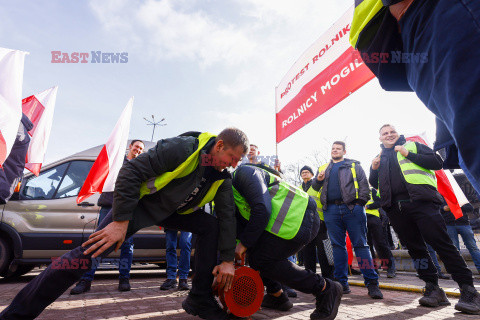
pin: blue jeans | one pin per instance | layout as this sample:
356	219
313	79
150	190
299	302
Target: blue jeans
448	82
185	251
126	254
468	239
339	220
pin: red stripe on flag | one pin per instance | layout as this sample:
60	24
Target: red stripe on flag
96	177
443	185
33	109
33	168
335	83
3	149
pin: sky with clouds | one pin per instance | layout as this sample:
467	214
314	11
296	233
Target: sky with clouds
201	65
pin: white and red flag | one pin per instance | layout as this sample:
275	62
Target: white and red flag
11	80
324	75
39	108
104	172
446	185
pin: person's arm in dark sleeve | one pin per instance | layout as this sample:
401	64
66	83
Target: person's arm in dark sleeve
317	185
250	184
425	158
165	156
373	178
225	210
364	188
376	202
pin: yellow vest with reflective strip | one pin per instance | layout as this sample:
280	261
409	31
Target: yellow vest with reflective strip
413	173
365	10
288	207
374	212
185	168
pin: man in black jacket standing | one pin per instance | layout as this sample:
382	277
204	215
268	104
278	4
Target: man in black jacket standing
403	172
345	192
168	186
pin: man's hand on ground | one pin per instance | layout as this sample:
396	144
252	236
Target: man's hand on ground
103	239
223	274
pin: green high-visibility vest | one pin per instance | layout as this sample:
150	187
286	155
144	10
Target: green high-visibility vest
365	11
374	212
413	173
185	168
288	207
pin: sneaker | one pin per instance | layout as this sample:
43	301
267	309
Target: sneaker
289	291
81	287
443	276
469	301
374	291
328	301
169	284
391	273
124	285
346	288
433	296
205	308
278	303
183	285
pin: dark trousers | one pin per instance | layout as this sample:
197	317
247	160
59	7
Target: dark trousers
316	250
61	274
376	239
270	257
418	222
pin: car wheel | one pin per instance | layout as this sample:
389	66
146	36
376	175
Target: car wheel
5	257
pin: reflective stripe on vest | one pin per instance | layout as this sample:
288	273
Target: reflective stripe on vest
288	207
374	212
413	173
365	10
152	185
185	168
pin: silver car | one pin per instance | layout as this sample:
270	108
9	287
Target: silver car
43	221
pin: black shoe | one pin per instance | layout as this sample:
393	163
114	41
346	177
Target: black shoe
169	284
469	300
346	288
81	287
443	276
278	303
391	273
328	301
183	285
124	285
205	308
374	291
289	291
433	296
355	272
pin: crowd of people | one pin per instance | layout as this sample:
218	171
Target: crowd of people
257	214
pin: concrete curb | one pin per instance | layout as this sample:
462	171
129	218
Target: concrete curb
451	292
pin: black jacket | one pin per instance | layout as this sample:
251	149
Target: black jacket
347	186
306	186
390	169
13	166
152	209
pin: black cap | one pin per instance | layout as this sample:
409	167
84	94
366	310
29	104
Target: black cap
307	168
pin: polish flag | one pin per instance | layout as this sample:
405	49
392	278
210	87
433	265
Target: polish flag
11	80
446	185
104	172
39	109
